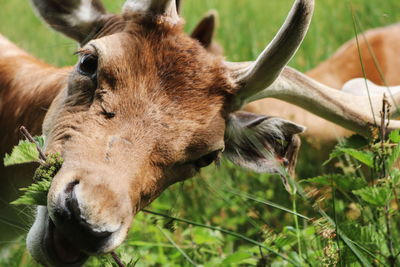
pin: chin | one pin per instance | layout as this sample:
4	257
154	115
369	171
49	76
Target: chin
50	247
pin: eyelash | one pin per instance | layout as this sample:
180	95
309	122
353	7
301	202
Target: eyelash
207	159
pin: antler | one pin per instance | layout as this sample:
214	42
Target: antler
361	86
356	113
165	8
278	53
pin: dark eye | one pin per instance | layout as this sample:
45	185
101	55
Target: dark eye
88	65
207	159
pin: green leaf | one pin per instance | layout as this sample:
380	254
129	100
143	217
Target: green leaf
365	235
345	183
347	241
285	240
365	157
352	246
378	196
40	140
237	258
395	174
393	156
394	136
354	143
334	154
35	194
205	236
24	152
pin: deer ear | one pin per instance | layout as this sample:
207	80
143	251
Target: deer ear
204	30
204	33
262	143
77	19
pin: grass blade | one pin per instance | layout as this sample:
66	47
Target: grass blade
177	247
225	231
268	203
361	61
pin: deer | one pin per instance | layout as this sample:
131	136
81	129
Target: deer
147	106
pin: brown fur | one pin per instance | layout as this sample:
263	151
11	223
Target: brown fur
28	87
345	64
155	79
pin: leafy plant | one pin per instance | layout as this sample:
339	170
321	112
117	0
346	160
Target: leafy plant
36	193
31	151
24	152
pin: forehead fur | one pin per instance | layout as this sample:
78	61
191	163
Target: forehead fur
158	79
159	58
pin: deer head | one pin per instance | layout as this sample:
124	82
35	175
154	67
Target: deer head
147	106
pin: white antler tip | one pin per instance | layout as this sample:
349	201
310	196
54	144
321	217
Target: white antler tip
155	7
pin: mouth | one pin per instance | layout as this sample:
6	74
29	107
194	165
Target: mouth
60	250
49	245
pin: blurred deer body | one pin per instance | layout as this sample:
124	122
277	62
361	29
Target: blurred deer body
382	43
344	65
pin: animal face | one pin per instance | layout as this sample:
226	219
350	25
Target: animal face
146	106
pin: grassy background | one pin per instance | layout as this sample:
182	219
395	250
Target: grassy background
245	28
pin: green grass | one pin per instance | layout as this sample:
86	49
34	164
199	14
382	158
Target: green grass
211	198
246	26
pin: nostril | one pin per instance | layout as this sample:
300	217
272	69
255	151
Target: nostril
72	204
70	187
71	217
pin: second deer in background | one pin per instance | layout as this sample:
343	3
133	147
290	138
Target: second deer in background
378	49
381	45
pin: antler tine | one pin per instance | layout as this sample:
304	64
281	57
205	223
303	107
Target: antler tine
166	8
278	53
356	113
365	87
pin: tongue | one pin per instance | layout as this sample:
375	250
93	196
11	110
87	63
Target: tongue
65	251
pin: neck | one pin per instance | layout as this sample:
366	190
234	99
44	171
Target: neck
27	88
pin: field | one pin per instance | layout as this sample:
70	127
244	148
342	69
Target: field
228	216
